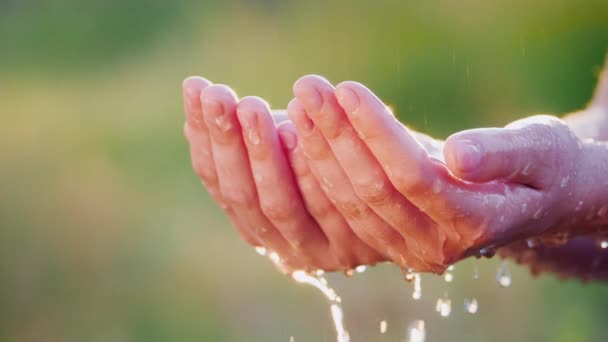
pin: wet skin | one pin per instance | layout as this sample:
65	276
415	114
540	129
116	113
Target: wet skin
343	183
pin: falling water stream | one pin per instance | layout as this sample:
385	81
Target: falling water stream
416	331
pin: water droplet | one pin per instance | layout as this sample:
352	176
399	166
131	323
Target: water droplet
524	207
408	274
361	268
604	244
253	136
579	206
326	183
417	294
319	273
503	275
526	169
448	276
538	214
258	177
475	271
292	339
603	210
487	252
444	306
532	242
564	182
436	188
383	326
223	123
349	273
260	250
416	331
471	305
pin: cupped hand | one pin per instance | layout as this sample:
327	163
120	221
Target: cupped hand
236	151
495	186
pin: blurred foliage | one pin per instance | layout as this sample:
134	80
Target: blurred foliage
106	234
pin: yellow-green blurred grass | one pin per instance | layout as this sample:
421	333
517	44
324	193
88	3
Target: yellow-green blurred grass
106	234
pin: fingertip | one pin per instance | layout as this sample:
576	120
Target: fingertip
297	114
288	135
250	109
463	155
310	81
347	98
193	85
253	104
218	93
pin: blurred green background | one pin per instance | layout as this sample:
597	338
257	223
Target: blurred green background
107	235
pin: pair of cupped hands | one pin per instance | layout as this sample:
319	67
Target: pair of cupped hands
339	182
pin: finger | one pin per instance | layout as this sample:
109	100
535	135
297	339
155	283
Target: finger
197	135
279	115
365	174
278	196
522	154
425	181
196	132
232	164
345	244
364	222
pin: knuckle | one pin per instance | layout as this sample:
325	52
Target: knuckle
316	151
278	211
320	212
410	182
239	198
373	192
204	172
352	209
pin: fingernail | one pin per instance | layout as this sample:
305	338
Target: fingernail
289	139
468	155
348	100
249	122
306	123
310	97
191	92
215	112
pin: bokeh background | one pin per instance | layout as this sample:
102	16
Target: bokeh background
107	235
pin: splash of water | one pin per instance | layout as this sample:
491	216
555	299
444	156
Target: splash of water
503	275
383	326
448	276
471	305
444	306
416	332
417	294
261	251
304	278
336	309
408	275
338	317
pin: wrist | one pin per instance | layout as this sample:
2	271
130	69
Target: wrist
586	207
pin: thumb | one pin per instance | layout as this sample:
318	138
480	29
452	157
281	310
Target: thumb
517	154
